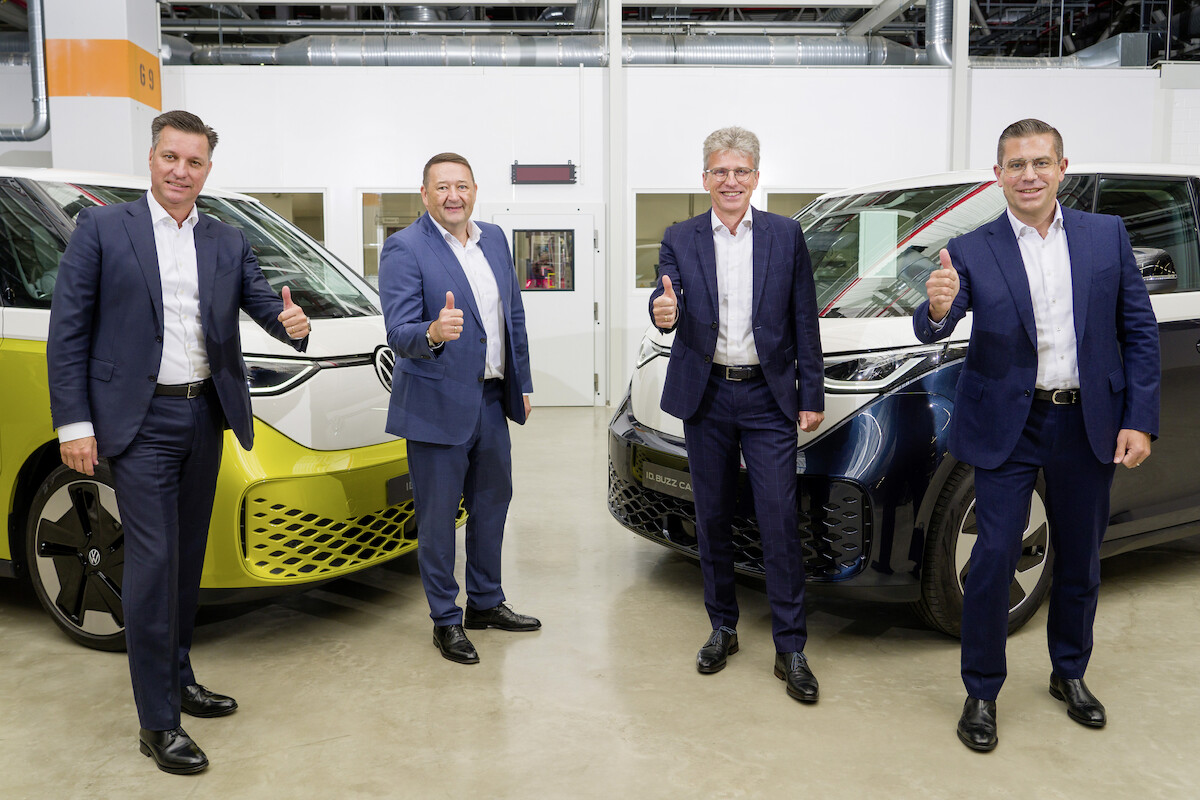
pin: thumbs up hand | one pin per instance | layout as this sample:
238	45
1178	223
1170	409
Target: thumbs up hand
449	323
666	305
942	287
293	318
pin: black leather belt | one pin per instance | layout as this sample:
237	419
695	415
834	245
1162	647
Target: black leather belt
739	373
188	390
1060	397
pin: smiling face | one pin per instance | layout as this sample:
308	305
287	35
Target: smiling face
1031	196
730	197
449	196
179	166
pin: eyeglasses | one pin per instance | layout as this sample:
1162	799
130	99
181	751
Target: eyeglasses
1042	166
741	173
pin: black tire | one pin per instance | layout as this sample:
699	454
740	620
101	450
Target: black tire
948	551
76	554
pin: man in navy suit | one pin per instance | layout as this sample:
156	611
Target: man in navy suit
454	318
737	288
1062	377
146	371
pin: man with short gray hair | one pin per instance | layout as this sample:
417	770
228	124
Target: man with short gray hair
746	368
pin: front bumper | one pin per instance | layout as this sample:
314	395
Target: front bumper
834	514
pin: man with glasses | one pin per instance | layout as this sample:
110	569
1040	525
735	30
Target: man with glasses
737	288
1061	378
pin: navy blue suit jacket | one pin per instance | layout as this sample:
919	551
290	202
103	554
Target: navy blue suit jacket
436	396
786	331
1115	330
106	321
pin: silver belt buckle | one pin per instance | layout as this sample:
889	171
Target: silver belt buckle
729	374
1067	395
194	390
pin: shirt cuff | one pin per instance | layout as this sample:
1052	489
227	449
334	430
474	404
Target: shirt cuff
75	430
937	326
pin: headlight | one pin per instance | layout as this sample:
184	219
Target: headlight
876	372
648	351
276	375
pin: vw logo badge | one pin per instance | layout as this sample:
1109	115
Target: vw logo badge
94	557
385	362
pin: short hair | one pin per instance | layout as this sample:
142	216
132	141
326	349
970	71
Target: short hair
1029	127
732	138
182	121
445	158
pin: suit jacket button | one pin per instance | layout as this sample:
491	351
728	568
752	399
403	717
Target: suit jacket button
158	339
483	340
707	359
481	379
151	378
714	326
1027	393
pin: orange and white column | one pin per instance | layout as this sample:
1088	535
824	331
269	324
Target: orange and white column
104	78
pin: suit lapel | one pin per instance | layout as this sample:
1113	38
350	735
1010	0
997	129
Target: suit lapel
763	236
1079	245
204	235
1008	259
464	297
706	252
141	235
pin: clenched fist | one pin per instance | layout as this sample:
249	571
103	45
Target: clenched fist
449	323
942	288
666	306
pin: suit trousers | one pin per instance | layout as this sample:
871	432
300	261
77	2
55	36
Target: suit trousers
1077	485
744	415
480	472
165	481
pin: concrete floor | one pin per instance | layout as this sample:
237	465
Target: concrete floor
342	694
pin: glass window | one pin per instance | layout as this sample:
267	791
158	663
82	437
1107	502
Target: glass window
545	260
654	213
1077	191
32	241
872	252
383	215
305	210
286	257
1158	215
789	204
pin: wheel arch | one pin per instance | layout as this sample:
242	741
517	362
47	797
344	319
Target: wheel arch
40	463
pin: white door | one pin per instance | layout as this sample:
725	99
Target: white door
553	254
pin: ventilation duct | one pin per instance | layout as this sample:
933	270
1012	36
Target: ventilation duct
40	124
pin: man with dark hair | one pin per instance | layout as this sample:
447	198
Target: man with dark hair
454	318
146	371
1061	378
737	288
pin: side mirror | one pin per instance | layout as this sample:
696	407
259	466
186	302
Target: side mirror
1157	268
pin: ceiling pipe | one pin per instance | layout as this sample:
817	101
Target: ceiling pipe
39	126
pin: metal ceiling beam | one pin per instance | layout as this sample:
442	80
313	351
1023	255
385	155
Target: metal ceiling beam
877	17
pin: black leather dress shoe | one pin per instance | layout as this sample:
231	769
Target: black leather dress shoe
792	668
1082	705
200	702
173	751
501	617
454	644
977	725
720	645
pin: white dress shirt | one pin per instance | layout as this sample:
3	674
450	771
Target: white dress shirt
487	294
1048	266
184	359
735	292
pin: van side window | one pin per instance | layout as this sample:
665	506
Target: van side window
1162	227
30	248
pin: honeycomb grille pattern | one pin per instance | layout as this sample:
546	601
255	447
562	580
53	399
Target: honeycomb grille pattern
832	525
287	542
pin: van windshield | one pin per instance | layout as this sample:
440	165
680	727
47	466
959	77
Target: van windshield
286	256
872	252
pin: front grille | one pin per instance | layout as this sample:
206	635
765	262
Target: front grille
283	541
832	524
